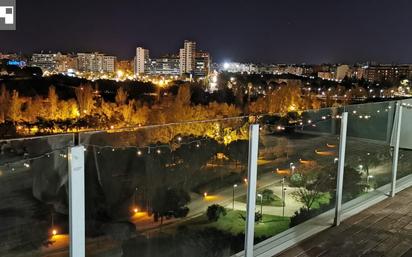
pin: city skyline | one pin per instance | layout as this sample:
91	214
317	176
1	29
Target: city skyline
298	32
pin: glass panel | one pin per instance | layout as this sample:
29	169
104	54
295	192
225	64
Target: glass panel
167	190
404	163
405	151
297	167
34	196
368	152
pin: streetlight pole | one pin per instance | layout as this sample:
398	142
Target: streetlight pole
135	197
261	204
283	196
233	202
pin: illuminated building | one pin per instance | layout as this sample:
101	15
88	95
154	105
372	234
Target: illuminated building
236	67
66	63
387	72
187	57
326	75
45	61
342	71
95	62
166	65
202	64
141	61
124	65
109	63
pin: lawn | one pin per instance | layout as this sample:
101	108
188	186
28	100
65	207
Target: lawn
323	199
234	223
275	201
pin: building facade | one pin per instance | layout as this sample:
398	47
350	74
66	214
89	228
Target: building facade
45	61
387	72
95	62
202	64
342	71
187	57
89	62
109	63
141	61
167	65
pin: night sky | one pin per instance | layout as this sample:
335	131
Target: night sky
272	31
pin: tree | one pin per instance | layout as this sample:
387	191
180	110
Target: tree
306	197
352	182
297	180
121	97
183	95
53	101
170	202
214	212
268	195
4	102
15	107
84	95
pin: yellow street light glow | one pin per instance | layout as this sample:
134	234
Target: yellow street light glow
135	210
54	232
324	153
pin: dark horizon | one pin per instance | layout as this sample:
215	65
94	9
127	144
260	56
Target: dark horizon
265	32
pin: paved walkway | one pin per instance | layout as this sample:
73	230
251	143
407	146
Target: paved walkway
384	229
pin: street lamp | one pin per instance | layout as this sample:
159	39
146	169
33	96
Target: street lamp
261	204
283	196
368	178
233	202
53	229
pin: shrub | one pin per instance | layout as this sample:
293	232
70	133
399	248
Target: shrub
297	180
304	214
214	212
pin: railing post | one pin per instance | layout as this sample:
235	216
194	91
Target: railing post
341	167
398	123
251	189
77	201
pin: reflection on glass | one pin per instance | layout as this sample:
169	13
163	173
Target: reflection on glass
297	169
404	163
368	152
33	199
173	190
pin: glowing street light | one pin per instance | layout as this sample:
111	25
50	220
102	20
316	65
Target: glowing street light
233	201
